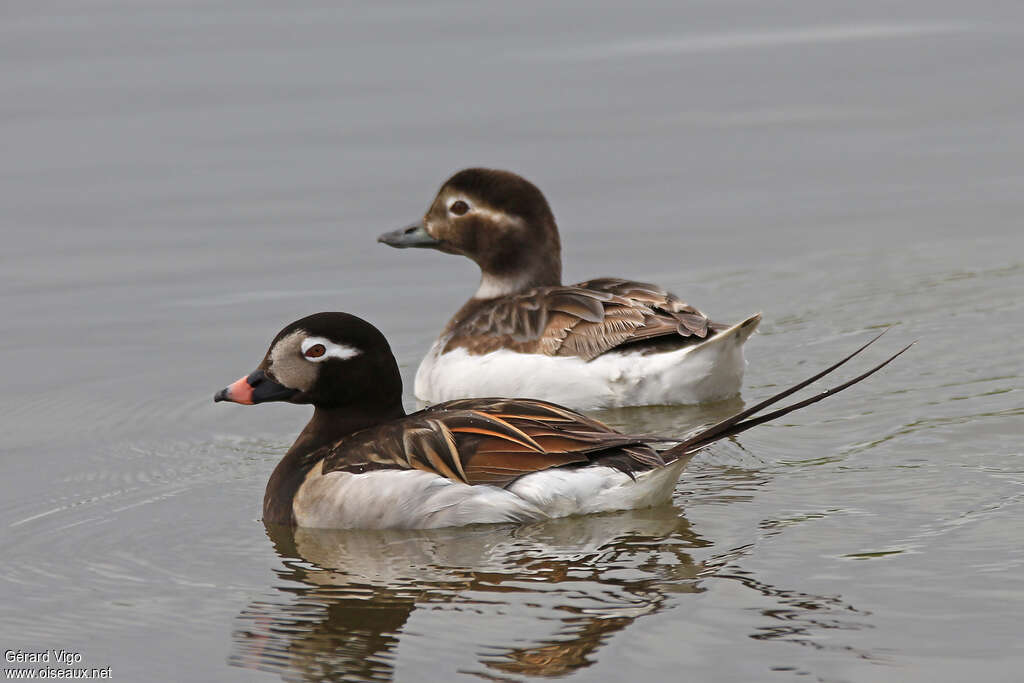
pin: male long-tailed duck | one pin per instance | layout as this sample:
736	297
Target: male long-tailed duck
602	343
361	462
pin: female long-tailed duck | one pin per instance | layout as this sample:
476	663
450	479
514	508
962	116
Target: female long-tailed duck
602	343
361	462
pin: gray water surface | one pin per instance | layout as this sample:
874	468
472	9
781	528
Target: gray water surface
179	180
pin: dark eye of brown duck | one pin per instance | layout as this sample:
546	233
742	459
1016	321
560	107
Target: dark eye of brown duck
315	351
459	207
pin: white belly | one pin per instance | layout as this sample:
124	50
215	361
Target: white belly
413	499
709	371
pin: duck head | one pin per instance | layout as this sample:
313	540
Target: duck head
329	360
499	220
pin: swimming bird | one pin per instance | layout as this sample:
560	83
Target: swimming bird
362	462
603	343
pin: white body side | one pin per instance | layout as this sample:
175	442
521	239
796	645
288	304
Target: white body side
414	499
710	371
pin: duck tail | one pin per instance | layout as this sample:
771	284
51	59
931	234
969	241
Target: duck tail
723	334
744	420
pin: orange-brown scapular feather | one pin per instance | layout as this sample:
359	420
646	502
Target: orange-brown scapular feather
489	445
561	444
508	467
546	418
511	427
495	427
452	446
525	408
491	433
429	444
422	466
521	462
439	464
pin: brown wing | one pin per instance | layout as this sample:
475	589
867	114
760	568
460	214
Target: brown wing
490	441
583	320
689	321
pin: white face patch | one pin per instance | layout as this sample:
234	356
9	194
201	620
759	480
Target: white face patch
331	350
482	210
453	200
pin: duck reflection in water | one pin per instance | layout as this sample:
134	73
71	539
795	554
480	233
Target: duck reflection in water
351	593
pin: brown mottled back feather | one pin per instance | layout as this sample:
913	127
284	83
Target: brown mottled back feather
583	320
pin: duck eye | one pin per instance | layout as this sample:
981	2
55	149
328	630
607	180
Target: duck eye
459	207
315	351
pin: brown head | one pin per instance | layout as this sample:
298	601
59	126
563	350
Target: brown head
499	220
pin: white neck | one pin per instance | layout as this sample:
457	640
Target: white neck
492	286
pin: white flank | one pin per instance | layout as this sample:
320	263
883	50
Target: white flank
413	499
710	371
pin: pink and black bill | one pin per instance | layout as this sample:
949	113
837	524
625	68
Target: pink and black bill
256	387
